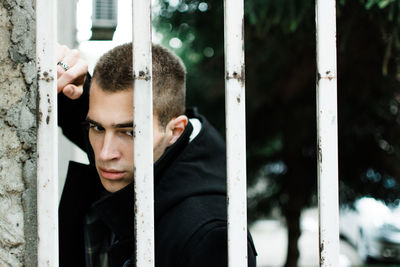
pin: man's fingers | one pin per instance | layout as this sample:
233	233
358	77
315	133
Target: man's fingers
73	91
74	75
71	72
68	60
61	51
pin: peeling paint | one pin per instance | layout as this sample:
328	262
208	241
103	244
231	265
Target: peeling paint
319	154
327	75
322	258
143	75
45	76
40	115
240	77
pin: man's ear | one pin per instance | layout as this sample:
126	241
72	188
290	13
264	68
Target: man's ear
176	127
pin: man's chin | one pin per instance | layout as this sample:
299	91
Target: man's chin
113	186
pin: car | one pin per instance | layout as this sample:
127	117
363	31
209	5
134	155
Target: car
373	228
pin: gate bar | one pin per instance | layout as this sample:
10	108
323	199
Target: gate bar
143	132
328	200
235	133
47	143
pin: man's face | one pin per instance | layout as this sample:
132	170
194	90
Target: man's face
110	120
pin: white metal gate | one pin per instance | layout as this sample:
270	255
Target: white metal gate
235	123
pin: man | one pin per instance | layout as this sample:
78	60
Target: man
96	211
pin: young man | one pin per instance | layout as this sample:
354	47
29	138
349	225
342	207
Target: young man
96	211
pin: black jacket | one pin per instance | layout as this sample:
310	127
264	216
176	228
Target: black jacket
190	201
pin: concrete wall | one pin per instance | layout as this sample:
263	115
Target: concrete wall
17	133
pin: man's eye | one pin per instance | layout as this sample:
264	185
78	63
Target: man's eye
129	133
96	127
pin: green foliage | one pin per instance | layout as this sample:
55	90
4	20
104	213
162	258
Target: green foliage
380	3
280	92
280	95
286	14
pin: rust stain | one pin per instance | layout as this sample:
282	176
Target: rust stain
322	258
49	109
40	115
240	77
319	154
328	75
143	75
45	76
319	149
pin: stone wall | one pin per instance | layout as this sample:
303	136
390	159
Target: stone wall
17	133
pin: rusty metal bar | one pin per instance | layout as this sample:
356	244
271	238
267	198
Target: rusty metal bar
47	160
143	133
235	133
328	200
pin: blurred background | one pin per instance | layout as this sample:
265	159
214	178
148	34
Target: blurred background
281	111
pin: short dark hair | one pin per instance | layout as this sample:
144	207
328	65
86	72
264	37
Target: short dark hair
113	73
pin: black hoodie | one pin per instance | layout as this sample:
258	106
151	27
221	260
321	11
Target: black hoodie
189	201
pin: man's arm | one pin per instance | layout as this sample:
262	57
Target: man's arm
72	113
73	84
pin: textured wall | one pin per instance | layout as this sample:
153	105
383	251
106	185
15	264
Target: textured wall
17	134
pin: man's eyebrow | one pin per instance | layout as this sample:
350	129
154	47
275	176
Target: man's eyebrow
123	125
127	124
89	120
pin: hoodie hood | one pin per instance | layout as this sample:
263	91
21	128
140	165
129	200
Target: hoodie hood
197	170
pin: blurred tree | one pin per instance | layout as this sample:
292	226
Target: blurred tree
280	92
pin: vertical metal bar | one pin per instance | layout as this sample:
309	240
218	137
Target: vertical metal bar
328	202
143	133
47	160
235	133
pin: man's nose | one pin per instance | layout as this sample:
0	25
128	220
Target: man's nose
109	150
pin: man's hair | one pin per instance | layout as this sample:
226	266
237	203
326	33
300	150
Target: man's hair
113	73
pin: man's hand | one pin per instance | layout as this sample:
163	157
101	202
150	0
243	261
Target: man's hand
71	72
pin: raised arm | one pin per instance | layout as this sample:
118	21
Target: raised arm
71	72
73	83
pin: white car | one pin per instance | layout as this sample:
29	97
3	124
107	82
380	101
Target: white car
373	229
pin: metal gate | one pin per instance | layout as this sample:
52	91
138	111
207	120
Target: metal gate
235	133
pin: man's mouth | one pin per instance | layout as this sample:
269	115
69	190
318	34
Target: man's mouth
111	174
